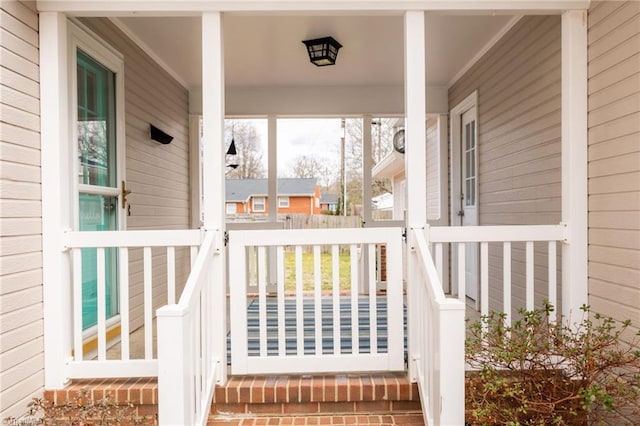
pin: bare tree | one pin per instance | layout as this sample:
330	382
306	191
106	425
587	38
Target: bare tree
382	144
305	166
248	148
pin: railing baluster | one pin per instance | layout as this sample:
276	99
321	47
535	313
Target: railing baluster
355	318
77	301
148	303
171	275
439	260
484	278
553	297
506	280
123	265
262	299
282	348
462	277
195	362
193	253
530	300
373	305
335	262
317	298
102	304
299	304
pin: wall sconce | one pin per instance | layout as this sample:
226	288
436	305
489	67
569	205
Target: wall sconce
159	136
322	51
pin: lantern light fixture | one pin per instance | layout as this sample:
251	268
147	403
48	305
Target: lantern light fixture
322	51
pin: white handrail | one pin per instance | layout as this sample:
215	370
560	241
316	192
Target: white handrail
188	366
438	353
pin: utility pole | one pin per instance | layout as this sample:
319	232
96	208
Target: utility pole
343	175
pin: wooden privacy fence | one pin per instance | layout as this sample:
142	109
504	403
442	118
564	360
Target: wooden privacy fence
300	221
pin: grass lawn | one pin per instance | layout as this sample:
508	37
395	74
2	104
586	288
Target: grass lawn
326	271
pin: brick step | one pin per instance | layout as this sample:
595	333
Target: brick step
321	419
383	398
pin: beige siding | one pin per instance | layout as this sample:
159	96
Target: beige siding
518	83
157	174
21	328
614	159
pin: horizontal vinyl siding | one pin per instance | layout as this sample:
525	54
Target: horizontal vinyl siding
21	328
614	159
433	170
158	175
519	86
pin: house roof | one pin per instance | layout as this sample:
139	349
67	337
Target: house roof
329	199
240	190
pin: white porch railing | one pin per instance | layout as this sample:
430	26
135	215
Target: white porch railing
189	361
535	242
283	344
438	327
122	242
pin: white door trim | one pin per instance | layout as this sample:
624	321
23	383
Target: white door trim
83	38
455	139
455	115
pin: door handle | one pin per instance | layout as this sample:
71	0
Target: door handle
124	192
461	213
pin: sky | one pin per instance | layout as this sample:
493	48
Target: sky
317	138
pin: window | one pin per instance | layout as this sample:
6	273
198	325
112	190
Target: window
283	202
258	204
231	208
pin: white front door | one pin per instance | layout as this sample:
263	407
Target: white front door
468	208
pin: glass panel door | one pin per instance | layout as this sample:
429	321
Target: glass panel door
97	176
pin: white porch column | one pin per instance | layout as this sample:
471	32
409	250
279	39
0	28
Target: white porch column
367	165
272	171
415	157
213	157
574	162
272	147
57	198
194	169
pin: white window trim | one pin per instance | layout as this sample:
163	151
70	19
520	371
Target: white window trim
235	208
253	204
283	202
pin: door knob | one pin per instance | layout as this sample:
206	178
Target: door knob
461	213
124	192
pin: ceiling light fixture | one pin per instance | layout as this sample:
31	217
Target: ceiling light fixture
322	51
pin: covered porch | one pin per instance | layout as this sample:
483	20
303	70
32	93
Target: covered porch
175	283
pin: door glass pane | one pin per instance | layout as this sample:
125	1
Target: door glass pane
96	133
98	213
96	123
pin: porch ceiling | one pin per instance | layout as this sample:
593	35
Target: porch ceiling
263	51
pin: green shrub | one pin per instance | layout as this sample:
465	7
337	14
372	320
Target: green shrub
82	410
540	372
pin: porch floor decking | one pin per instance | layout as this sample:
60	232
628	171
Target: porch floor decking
137	337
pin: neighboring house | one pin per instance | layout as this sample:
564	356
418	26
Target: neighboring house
251	196
329	203
532	118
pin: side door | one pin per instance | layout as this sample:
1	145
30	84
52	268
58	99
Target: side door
468	208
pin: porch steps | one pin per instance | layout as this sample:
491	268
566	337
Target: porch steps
366	399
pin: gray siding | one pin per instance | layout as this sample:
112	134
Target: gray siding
433	169
614	159
518	83
157	174
21	328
